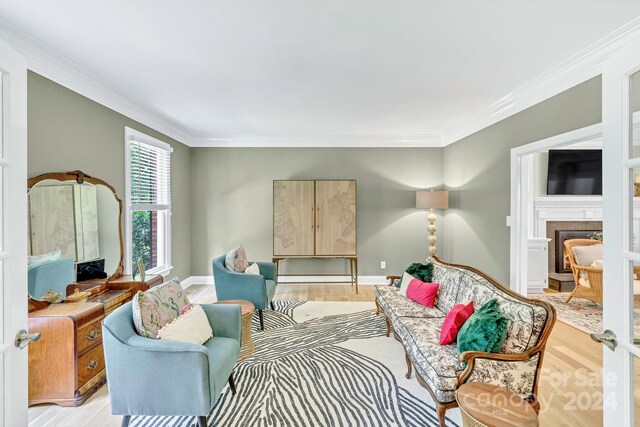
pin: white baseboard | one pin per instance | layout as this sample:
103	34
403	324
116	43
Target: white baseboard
362	280
532	290
197	280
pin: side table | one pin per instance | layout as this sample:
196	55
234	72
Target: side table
246	342
489	405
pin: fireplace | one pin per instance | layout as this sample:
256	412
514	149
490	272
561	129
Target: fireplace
561	259
569	230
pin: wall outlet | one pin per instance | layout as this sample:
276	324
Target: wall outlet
383	265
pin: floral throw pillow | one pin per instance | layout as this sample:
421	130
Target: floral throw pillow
236	260
158	306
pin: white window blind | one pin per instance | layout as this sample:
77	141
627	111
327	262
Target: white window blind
150	177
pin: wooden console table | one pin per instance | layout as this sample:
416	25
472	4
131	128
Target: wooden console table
353	267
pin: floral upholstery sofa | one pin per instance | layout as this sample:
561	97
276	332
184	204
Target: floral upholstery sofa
441	369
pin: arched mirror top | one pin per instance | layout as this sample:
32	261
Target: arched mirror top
75	231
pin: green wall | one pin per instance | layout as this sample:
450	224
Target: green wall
234	185
234	203
67	131
477	172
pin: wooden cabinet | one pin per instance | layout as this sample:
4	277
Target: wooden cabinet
66	366
293	217
314	218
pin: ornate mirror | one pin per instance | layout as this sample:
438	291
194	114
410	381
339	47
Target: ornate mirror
75	231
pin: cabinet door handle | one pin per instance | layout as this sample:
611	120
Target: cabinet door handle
92	335
318	220
92	364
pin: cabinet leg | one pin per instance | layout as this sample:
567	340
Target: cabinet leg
125	420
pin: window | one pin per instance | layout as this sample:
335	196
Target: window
148	203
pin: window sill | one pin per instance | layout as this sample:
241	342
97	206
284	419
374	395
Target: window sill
162	271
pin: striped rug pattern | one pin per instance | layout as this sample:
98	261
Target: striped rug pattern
301	376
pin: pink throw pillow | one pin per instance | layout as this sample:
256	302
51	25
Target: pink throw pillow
423	293
454	321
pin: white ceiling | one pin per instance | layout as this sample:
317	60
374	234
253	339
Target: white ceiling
346	71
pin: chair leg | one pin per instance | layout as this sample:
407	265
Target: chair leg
232	384
273	307
441	410
261	320
202	421
125	420
570	296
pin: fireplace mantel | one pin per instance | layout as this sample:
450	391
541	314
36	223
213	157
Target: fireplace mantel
571	208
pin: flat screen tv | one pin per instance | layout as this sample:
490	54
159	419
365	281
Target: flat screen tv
575	172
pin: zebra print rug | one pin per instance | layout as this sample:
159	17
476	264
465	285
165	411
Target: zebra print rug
311	369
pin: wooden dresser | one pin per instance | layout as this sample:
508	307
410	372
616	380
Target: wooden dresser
66	366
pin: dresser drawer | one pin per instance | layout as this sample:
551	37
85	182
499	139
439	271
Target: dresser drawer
90	364
89	335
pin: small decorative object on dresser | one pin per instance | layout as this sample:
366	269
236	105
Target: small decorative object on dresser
66	365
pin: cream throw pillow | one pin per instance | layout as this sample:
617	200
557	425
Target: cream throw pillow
253	269
587	255
404	283
193	327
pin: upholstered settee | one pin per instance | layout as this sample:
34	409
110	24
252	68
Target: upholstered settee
441	368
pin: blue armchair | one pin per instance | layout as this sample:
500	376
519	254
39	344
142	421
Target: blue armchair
55	275
162	378
259	289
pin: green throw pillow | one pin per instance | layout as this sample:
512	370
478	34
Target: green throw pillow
485	330
423	272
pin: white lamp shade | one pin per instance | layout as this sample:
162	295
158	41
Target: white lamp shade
432	199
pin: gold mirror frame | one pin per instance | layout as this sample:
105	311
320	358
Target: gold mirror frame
80	177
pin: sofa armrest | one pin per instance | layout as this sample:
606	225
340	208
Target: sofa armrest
392	278
268	270
516	372
225	319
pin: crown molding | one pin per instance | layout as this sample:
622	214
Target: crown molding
58	68
308	141
55	66
577	69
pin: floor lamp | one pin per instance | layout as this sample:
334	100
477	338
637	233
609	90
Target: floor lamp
432	200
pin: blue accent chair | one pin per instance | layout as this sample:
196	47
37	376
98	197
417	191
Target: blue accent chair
55	275
259	289
163	378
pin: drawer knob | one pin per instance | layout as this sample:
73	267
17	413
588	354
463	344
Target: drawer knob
92	364
92	335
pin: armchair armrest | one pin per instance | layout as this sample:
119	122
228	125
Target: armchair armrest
267	269
516	372
392	278
225	319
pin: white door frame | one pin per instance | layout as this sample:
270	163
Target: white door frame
617	169
13	255
521	196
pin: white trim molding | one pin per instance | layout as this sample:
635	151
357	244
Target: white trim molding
584	65
580	67
337	140
55	66
325	280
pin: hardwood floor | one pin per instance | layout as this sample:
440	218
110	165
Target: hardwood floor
570	390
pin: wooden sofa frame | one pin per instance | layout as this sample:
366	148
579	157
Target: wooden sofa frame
471	356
